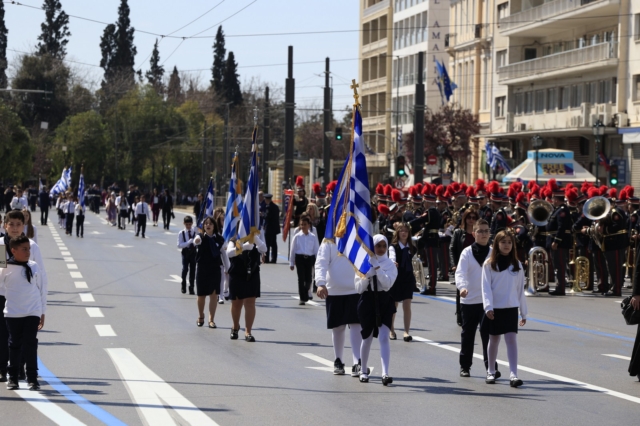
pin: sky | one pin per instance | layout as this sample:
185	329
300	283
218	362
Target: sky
259	56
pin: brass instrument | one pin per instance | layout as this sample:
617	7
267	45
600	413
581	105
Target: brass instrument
580	264
538	267
418	271
539	212
631	253
596	208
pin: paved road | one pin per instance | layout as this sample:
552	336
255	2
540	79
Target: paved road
121	346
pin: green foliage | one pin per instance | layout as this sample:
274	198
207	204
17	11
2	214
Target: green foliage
156	71
55	30
174	89
3	49
232	91
219	62
16	148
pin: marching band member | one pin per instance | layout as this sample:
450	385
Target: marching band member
583	242
615	239
444	233
429	240
597	255
634	225
559	239
481	194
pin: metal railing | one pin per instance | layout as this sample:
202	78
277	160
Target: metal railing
376	8
544	11
563	60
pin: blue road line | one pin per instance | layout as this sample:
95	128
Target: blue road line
555	324
64	390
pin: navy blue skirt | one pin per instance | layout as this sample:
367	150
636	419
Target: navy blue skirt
403	287
504	321
367	311
342	310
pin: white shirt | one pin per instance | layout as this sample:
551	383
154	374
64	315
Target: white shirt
260	245
469	277
387	274
80	209
334	272
392	251
35	232
69	207
18	203
36	256
142	208
125	204
312	230
24	298
185	238
303	244
503	289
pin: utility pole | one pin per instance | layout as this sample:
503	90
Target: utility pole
418	125
213	155
225	149
204	154
290	86
265	141
328	113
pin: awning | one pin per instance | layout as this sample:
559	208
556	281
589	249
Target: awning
552	164
630	134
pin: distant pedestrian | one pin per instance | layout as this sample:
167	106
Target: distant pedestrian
140	214
45	205
155	206
271	229
69	211
186	244
166	204
80	213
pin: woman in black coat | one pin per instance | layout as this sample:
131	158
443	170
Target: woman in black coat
462	238
210	257
634	365
166	203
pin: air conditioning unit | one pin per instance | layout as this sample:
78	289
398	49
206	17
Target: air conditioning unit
623	119
509	118
523	127
585	113
605	113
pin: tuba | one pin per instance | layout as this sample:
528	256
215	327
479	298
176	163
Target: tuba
538	266
539	212
418	271
596	208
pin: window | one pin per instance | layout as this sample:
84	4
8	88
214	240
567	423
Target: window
637	26
539	100
593	93
500	106
530	53
528	102
552	99
576	96
519	103
564	98
636	88
501	57
502	10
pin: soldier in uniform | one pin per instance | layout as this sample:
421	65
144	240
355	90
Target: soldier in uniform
583	242
615	239
300	202
634	228
501	218
444	234
429	240
559	238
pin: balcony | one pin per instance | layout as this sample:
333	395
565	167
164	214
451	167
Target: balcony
554	16
374	46
572	62
376	8
376	85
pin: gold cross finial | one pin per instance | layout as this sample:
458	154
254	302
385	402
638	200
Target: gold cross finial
355	86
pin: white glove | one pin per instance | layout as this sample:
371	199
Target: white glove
247	246
197	240
373	262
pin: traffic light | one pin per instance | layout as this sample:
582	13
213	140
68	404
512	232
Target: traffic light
320	171
338	133
613	174
400	162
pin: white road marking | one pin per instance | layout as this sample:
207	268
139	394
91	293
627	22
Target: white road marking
63	248
328	364
176	279
94	312
626	358
540	373
311	302
81	284
68	259
65	253
97	233
87	297
75	274
52	411
72	266
122	246
169	233
161	243
151	393
105	331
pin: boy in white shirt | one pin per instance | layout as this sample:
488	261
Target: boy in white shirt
80	210
26	295
186	243
304	248
140	214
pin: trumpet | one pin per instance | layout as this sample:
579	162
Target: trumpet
418	271
538	267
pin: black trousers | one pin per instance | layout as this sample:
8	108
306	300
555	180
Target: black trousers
304	268
634	365
69	223
122	215
44	216
472	316
32	204
80	225
166	218
600	264
141	224
432	264
560	258
4	338
23	343
272	246
615	259
188	266
444	261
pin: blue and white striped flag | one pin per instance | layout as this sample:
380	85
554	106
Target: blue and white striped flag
250	215
489	151
497	160
234	203
349	223
81	190
63	184
206	209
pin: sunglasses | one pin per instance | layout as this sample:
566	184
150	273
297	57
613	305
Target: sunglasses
472	217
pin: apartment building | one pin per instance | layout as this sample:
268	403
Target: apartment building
567	65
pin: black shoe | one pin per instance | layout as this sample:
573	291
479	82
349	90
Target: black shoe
464	372
407	338
191	290
3	377
364	378
34	385
184	289
355	370
515	382
338	367
557	292
144	236
425	292
612	294
416	290
498	374
249	338
234	334
386	380
301	303
12	384
137	235
491	379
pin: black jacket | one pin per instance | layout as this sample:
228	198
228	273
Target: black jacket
272	219
45	203
457	245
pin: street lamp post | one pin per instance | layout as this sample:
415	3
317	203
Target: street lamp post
536	142
598	133
440	151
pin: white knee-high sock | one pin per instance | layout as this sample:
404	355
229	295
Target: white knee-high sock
338	335
356	341
385	348
364	352
511	339
492	353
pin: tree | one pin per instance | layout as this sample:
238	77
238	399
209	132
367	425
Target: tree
118	55
232	91
3	49
451	127
219	64
156	71
174	89
310	139
16	149
55	30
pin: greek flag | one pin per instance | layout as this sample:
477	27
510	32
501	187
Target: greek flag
206	210
63	184
234	203
250	215
497	160
445	85
81	190
349	222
